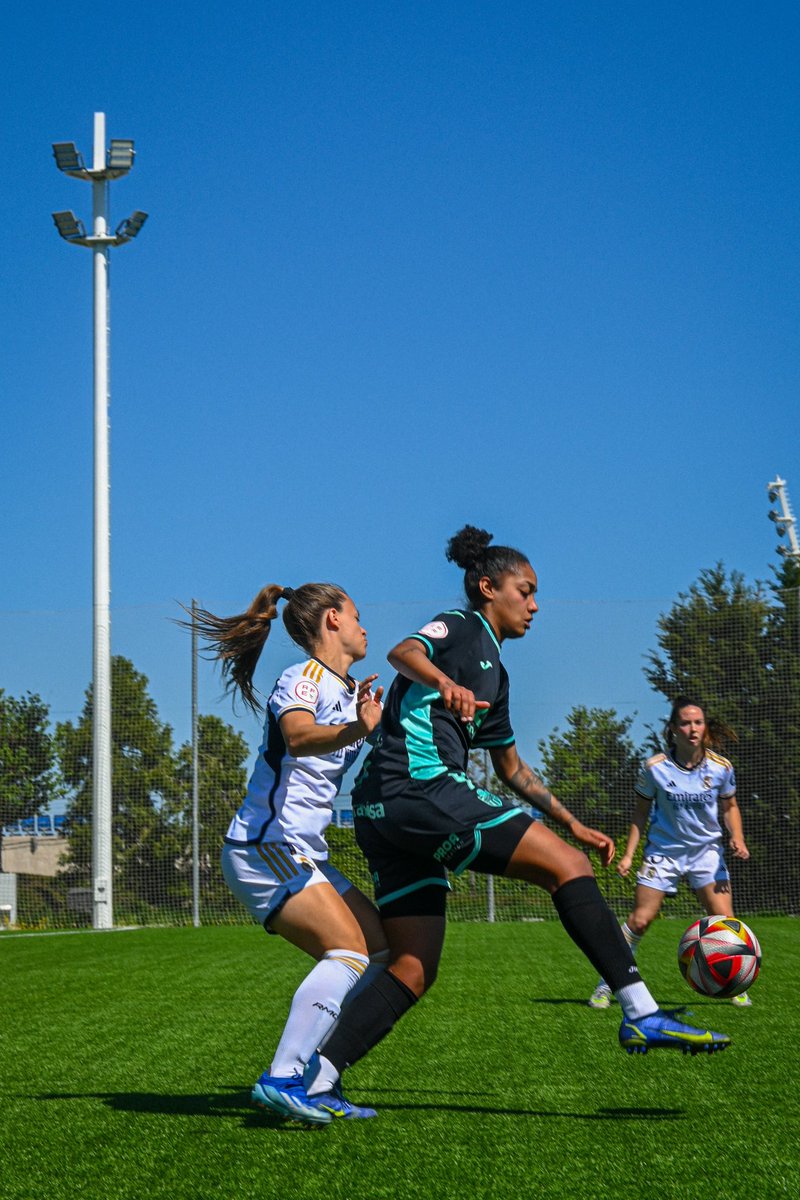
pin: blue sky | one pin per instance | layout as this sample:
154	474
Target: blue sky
531	266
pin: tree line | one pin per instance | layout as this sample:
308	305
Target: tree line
733	646
151	787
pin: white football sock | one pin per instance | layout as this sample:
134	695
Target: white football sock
631	938
321	1076
315	1009
636	1001
377	964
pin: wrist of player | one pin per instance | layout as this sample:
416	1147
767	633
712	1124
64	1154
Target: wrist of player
357	729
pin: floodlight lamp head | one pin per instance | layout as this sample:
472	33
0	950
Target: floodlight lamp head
784	551
120	157
131	226
774	515
69	159
68	225
772	495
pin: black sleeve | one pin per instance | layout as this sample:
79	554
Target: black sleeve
447	639
496	729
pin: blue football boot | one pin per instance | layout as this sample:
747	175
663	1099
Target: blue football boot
286	1097
335	1104
660	1031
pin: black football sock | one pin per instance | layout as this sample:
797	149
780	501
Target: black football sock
595	930
367	1020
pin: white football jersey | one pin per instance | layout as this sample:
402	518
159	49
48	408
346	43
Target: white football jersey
291	799
685	801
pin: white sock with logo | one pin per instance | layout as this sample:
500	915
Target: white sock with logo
315	1009
636	1001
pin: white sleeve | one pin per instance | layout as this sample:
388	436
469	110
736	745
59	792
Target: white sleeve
728	787
645	784
294	690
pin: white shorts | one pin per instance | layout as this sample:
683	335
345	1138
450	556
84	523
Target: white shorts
698	868
264	876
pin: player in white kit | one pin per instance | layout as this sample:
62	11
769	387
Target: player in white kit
275	857
686	794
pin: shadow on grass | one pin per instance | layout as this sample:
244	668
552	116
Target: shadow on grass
683	1006
236	1104
207	1104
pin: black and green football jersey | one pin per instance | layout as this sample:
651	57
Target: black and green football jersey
419	737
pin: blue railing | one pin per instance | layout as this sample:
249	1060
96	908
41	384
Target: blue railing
45	825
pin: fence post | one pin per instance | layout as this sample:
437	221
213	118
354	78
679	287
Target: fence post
489	878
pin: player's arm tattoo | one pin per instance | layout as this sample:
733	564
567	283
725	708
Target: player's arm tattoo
527	784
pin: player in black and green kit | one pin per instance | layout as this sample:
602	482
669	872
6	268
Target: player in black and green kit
418	816
414	794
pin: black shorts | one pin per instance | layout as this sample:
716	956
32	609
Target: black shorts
414	831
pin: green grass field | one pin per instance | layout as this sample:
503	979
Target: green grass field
126	1061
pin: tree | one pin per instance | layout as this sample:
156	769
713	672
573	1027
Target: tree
28	776
592	767
145	792
735	648
222	754
715	643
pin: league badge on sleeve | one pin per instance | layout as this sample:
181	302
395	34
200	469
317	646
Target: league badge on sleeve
306	691
434	629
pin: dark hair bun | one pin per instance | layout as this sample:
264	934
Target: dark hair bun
468	546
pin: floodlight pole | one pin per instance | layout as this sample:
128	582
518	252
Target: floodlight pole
195	780
105	166
784	518
102	865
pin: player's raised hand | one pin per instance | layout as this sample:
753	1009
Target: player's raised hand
368	703
595	840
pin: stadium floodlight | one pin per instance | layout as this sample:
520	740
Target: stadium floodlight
69	159
69	226
783	518
130	227
106	165
120	157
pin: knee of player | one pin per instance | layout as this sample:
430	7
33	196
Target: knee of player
639	922
417	976
573	865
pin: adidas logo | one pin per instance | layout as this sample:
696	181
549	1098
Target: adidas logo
337	706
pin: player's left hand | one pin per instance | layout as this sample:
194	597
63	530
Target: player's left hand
595	840
738	849
368	704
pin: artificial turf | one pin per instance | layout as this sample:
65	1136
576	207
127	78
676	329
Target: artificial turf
126	1061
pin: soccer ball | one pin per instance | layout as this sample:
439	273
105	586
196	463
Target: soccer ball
719	956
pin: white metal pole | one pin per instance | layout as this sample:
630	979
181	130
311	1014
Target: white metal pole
195	780
102	910
490	906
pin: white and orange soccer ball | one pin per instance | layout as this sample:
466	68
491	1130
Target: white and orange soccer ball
719	956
